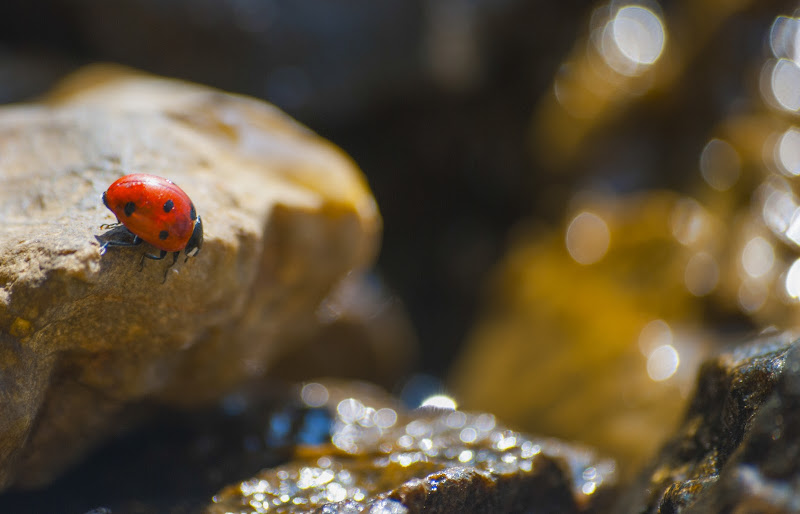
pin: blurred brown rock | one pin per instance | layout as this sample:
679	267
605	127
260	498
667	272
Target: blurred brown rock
82	337
360	330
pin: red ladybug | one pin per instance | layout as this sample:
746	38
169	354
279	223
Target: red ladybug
157	211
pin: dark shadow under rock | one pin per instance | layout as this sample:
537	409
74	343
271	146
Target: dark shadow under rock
172	464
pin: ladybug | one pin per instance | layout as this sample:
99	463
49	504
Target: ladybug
156	211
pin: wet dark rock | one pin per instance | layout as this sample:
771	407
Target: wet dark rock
738	447
383	459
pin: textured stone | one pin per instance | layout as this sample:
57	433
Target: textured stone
83	336
737	448
381	458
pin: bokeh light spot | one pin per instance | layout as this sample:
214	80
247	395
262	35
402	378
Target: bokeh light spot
385	417
758	257
779	205
468	435
314	394
784	36
350	410
702	274
752	295
687	221
633	40
793	280
465	456
792	232
784	83
587	238
440	401
654	334
639	34
663	362
720	164
787	150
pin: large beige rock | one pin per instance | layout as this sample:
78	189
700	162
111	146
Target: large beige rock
85	336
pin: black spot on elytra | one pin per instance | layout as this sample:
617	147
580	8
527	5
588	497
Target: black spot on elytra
130	208
163	235
168	205
193	213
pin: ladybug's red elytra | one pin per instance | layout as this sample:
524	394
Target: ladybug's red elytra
156	211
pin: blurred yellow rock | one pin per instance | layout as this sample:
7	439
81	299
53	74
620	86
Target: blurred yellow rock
602	352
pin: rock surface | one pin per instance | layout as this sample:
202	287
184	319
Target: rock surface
737	449
380	458
85	336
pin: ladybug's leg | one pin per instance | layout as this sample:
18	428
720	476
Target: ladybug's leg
151	256
135	242
105	226
174	260
158	258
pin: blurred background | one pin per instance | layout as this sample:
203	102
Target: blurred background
581	200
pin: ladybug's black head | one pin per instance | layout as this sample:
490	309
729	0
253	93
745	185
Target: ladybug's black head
196	241
105	200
